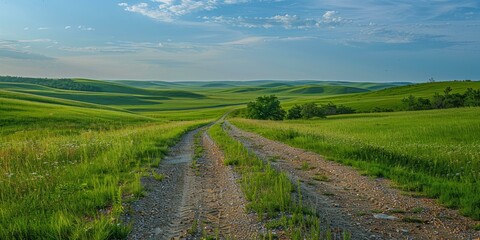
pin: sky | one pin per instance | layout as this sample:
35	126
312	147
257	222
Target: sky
368	40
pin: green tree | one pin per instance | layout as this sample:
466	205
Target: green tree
265	108
472	97
295	112
310	110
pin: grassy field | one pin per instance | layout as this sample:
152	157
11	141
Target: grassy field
389	98
66	176
433	152
160	99
67	166
72	151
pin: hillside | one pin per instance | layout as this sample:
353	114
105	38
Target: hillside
330	90
22	114
390	98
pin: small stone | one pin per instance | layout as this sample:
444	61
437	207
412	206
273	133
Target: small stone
384	216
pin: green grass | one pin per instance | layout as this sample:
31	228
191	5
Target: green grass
413	220
477	227
389	98
70	158
269	192
66	167
198	150
320	177
72	186
17	116
433	152
329	90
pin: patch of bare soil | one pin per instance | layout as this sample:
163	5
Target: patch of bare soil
222	208
192	203
368	208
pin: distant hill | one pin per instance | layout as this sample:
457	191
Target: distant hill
256	83
390	98
26	111
331	90
90	91
67	84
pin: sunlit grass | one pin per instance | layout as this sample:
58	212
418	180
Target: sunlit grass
434	152
270	193
58	186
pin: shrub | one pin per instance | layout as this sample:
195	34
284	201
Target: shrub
470	98
265	108
295	112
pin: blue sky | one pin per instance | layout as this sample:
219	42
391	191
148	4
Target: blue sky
369	40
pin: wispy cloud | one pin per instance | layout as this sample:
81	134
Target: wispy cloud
263	39
169	10
85	28
22	54
287	21
68	27
39	40
121	47
43	28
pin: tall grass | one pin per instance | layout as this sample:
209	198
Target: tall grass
433	152
72	186
269	192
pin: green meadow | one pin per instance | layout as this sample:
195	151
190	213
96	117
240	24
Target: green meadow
433	152
73	151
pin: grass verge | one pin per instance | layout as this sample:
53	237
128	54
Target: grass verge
269	192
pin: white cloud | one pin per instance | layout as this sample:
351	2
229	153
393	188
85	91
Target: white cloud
331	17
134	47
85	28
169	10
42	28
247	41
262	39
287	21
40	40
67	27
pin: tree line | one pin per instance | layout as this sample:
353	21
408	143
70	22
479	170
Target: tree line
269	108
67	84
470	98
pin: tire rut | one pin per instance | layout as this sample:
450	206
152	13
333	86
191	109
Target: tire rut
221	203
191	203
349	201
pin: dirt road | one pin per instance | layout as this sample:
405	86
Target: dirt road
369	208
192	202
205	200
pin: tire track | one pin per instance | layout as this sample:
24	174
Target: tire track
192	203
348	200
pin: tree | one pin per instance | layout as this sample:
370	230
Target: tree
311	110
265	108
410	102
329	109
472	98
295	112
341	109
438	101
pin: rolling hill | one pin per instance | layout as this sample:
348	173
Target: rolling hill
389	98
